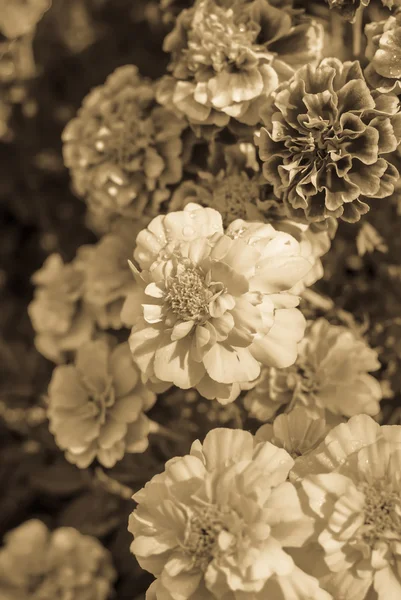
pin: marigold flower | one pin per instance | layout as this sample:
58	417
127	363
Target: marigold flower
20	17
123	149
347	8
352	484
329	378
38	564
227	56
325	142
108	278
61	320
213	306
217	522
384	53
297	432
96	406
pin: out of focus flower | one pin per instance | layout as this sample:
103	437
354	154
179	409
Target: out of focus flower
20	17
325	142
297	432
213	306
123	149
227	56
17	67
369	240
330	377
108	278
347	8
96	406
217	522
384	53
61	320
352	484
38	564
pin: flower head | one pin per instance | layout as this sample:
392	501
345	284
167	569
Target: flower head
352	485
347	8
60	318
123	149
38	564
20	17
214	306
216	524
384	53
96	406
226	56
325	140
297	432
330	377
108	278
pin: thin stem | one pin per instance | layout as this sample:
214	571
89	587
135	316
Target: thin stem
165	432
357	34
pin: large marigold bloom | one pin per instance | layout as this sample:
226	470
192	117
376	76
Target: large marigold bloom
96	406
330	377
217	522
38	564
352	483
123	149
227	56
61	319
214	306
325	142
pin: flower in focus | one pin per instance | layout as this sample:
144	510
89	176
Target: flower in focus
384	53
122	149
324	140
108	278
213	306
38	564
216	524
330	377
297	432
96	406
20	17
352	483
227	56
60	318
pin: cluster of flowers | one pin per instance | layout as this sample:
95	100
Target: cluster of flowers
216	191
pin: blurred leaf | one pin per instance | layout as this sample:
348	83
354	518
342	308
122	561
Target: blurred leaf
94	513
60	479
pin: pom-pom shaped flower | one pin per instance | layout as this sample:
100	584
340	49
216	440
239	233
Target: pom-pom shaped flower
38	564
123	149
325	140
96	406
227	56
108	278
216	524
352	483
384	53
212	307
330	377
61	320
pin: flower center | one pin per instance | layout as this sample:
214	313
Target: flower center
203	529
382	513
188	294
218	37
232	195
